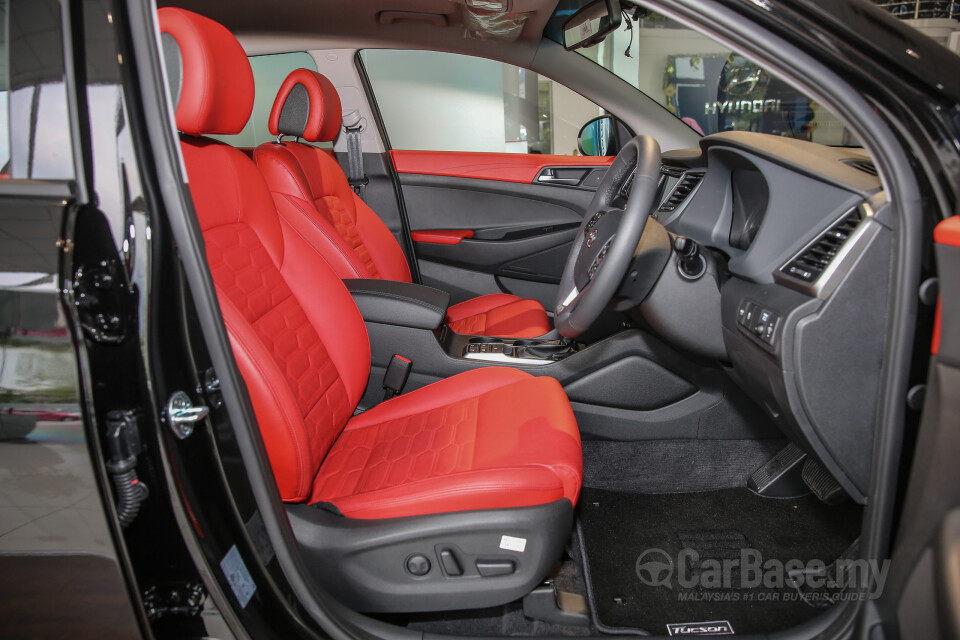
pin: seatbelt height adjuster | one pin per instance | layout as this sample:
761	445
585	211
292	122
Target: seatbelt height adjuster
396	376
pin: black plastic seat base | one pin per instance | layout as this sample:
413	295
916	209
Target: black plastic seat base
442	562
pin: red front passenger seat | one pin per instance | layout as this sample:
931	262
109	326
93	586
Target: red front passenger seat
308	183
491	439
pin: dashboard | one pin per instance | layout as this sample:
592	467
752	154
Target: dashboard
800	240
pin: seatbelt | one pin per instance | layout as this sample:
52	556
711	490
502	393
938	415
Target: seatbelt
353	126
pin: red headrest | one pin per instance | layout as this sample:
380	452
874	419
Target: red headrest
307	106
211	79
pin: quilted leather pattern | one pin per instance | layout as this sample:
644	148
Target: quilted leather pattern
426	445
244	273
333	209
487	438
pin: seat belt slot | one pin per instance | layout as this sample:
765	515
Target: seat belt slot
396	376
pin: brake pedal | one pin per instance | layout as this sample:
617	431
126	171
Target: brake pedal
781	476
823	485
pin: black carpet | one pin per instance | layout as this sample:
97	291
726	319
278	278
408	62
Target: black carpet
674	466
618	528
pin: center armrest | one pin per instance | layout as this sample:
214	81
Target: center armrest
399	303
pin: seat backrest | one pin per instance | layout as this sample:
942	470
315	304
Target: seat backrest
311	191
298	338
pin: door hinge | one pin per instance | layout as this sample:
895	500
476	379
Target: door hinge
98	291
174	600
210	388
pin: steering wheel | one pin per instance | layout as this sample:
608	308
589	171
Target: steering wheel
607	240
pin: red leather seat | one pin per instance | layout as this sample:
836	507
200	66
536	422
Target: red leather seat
490	438
307	182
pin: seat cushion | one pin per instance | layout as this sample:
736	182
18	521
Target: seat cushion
489	438
499	314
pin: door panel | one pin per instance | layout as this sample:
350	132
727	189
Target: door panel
488	222
924	578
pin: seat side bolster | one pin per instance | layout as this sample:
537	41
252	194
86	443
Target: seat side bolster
284	433
330	309
382	244
467	491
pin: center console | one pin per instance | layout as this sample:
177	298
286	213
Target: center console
512	351
629	386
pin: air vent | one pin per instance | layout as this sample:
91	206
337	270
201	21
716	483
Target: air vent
862	164
814	260
684	188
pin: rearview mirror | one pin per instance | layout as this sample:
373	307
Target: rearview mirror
591	24
599	137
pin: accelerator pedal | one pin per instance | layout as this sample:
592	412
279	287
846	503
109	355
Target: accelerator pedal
823	485
781	476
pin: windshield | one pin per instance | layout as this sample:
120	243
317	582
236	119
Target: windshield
702	82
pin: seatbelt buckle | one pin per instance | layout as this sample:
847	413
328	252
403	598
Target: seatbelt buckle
396	376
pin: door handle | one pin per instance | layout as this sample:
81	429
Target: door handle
182	415
550	179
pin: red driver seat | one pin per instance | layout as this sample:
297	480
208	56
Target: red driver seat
308	183
495	439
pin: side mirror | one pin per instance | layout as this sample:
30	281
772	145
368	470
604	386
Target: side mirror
591	24
600	137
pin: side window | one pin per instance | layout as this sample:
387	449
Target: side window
269	72
34	128
432	101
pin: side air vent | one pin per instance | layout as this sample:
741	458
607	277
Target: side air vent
814	260
861	164
684	188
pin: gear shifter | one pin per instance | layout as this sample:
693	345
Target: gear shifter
549	350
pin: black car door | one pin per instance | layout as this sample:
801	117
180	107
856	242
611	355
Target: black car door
60	571
922	595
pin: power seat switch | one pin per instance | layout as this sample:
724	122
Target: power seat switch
490	568
396	376
450	564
